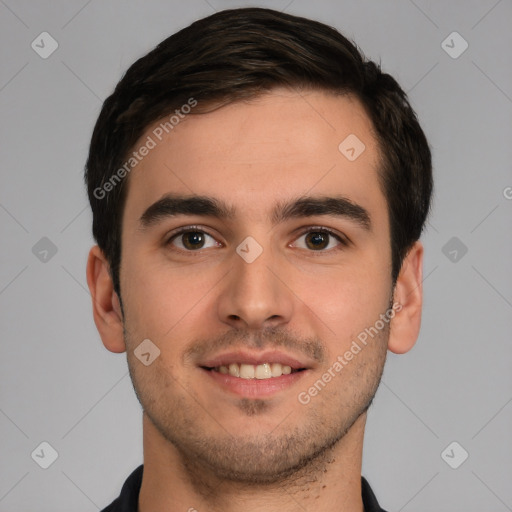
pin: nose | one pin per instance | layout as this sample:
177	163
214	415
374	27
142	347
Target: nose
255	295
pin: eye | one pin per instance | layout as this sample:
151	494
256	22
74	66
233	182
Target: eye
318	239
191	239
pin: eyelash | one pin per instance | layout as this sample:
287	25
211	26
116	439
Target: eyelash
344	242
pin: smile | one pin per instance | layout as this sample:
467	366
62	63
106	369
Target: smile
252	371
252	374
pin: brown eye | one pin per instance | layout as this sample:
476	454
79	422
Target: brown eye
317	240
191	240
321	240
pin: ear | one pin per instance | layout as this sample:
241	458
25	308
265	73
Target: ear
105	302
408	296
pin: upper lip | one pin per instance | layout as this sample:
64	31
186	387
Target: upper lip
245	357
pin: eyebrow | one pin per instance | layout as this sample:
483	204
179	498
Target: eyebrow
173	205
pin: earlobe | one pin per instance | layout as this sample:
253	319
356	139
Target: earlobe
105	302
408	296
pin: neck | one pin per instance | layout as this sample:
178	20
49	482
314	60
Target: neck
174	482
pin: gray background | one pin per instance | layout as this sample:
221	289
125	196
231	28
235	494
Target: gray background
60	385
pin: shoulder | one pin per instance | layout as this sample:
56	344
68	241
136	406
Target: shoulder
129	497
369	500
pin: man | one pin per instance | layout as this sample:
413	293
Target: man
258	192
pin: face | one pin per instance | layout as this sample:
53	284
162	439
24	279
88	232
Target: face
278	271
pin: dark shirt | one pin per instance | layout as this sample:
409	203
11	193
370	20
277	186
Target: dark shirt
129	498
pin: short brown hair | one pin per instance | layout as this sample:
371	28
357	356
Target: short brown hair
242	53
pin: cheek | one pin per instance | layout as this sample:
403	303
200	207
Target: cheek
343	303
350	291
338	299
157	296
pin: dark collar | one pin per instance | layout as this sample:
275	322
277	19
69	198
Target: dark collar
129	497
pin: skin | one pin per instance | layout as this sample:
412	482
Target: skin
206	448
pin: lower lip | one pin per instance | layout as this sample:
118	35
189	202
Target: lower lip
255	388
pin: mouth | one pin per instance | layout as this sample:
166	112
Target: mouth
255	375
252	371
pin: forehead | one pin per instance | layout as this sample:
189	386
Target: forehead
256	153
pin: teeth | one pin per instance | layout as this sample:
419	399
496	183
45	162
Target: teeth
263	371
247	371
250	371
234	370
277	369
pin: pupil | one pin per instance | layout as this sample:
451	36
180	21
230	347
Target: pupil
193	239
318	238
